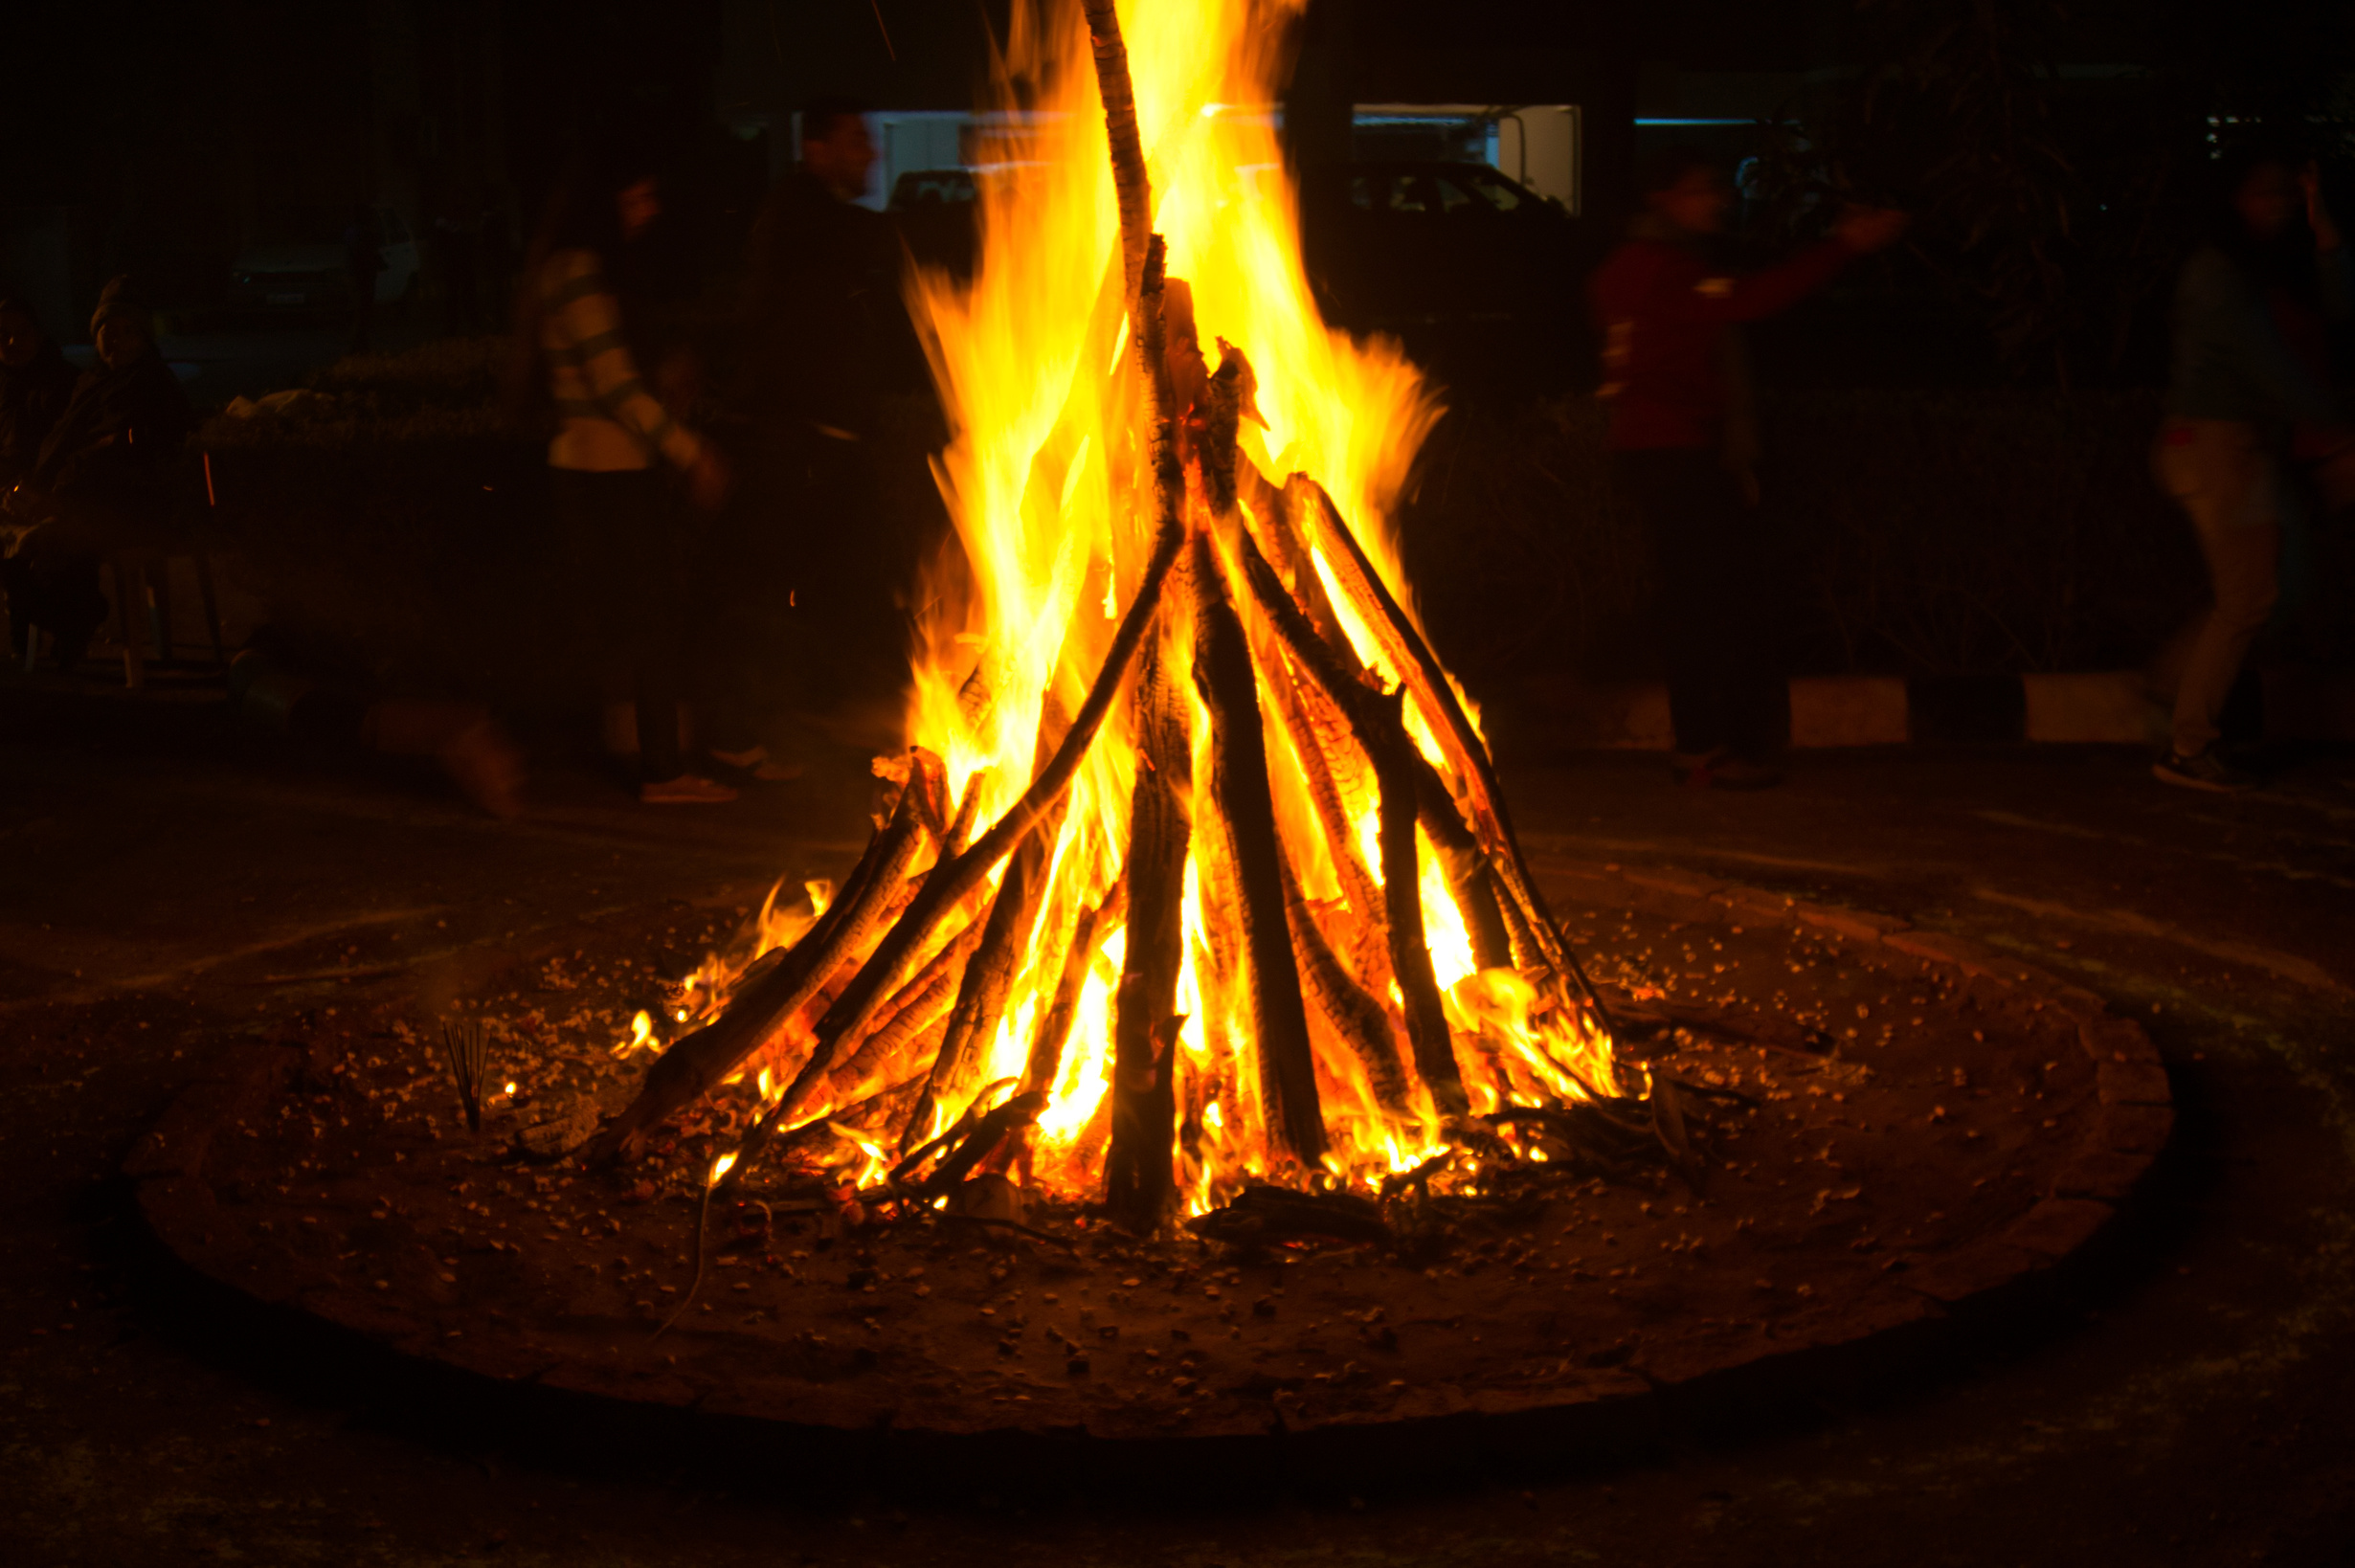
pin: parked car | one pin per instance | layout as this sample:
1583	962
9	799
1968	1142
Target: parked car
301	264
1478	274
939	213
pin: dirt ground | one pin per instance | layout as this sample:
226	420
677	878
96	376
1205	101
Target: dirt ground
173	886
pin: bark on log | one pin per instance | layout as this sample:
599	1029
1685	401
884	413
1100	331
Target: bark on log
1467	753
1224	675
1004	941
950	883
919	1004
1131	186
1471	880
694	1064
1355	1016
1139	1185
1410	951
1078	955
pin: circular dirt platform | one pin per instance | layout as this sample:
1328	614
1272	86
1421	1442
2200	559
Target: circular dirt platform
1930	1122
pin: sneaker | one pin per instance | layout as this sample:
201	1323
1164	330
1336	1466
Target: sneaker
756	761
2205	772
686	790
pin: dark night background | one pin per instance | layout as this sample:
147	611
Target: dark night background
1957	482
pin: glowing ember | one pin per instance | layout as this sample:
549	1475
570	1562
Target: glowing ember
1247	909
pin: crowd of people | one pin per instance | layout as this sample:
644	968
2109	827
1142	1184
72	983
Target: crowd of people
2251	431
687	536
695	489
88	463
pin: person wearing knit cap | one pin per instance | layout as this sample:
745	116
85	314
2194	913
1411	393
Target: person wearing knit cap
101	481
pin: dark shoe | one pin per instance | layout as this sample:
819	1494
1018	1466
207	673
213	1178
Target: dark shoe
2206	771
759	764
686	790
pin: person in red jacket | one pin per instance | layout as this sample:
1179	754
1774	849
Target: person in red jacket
1682	451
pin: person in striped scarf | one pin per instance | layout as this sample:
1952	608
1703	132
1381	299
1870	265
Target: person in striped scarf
619	456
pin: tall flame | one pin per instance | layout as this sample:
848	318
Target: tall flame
1045	478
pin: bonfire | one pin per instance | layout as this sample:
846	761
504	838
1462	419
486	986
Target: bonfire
1193	897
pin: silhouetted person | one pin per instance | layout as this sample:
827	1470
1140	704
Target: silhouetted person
825	336
103	480
614	437
1682	453
2247	394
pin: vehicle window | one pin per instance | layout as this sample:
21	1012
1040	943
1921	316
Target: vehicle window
1452	197
1410	194
1361	193
1494	193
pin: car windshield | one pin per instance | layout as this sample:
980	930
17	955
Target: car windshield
1447	191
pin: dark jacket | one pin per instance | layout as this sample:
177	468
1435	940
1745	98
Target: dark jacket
825	329
2232	360
118	437
32	398
1664	312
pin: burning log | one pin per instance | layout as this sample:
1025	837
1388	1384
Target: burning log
1410	953
1381	731
1265	1216
1130	184
1047	1047
951	882
1347	1009
1470	883
1004	944
921	1003
1224	675
1138	1185
1467	753
693	1065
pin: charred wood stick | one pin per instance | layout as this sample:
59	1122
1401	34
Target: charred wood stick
1046	1048
1381	731
1289	549
1376	728
1353	1014
1139	1182
831	1128
1130	188
1466	751
1410	951
952	880
1004	942
921	1002
1339	834
1224	674
1000	942
693	1065
1471	880
976	1146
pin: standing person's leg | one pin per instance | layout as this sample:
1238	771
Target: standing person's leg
1749	645
629	548
1672	504
2221	475
648	551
